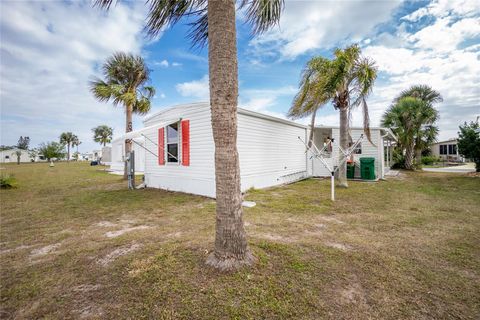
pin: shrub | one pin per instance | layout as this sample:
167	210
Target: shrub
429	160
7	181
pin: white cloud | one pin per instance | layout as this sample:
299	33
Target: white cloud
162	95
444	55
443	8
446	34
50	50
309	25
263	100
163	63
198	89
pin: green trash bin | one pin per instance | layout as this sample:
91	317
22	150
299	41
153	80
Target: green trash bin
350	170
367	168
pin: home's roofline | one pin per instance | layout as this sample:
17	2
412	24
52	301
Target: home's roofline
269	117
15	149
177	106
448	140
239	109
255	114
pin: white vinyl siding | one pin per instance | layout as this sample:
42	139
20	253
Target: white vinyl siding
270	152
199	176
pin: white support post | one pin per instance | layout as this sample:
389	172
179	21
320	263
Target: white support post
332	187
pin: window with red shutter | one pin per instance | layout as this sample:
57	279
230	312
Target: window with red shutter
185	142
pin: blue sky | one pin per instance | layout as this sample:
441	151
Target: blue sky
51	49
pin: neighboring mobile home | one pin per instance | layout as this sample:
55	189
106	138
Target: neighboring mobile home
179	150
9	155
447	151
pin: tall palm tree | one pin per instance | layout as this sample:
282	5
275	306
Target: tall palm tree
346	81
428	134
102	134
68	139
410	119
214	24
125	78
76	142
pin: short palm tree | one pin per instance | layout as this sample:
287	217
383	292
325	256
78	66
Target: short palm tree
412	121
214	24
428	134
68	139
346	81
102	134
18	153
125	76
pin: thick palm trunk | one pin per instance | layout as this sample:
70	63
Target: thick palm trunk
342	170
231	248
409	154
312	128
128	143
68	152
418	156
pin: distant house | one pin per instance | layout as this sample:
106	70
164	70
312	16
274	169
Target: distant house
106	155
95	155
7	156
447	151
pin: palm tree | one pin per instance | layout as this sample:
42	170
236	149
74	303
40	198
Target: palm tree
68	139
76	142
346	81
214	23
428	133
412	120
18	153
102	134
308	100
125	78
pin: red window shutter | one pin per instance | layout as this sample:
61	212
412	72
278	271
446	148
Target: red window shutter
161	146
186	142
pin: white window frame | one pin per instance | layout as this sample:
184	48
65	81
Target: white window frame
179	138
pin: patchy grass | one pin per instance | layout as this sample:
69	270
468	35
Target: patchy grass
76	244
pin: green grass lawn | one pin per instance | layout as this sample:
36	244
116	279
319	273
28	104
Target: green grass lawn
76	244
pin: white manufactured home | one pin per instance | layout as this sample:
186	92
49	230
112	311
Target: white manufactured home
178	150
10	155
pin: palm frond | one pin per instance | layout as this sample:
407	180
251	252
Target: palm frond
164	13
101	90
142	106
366	121
104	4
148	92
423	92
262	14
312	94
198	32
